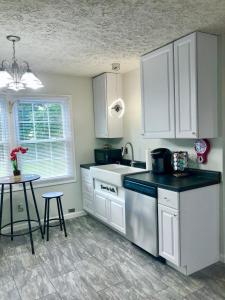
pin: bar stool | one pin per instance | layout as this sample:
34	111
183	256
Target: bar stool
48	196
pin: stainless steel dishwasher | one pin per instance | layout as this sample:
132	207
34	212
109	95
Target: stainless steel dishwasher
141	215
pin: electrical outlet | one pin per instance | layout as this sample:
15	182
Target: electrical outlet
71	210
20	207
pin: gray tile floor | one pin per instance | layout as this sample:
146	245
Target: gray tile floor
94	262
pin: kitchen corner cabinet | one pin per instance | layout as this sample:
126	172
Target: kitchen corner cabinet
87	190
107	89
179	89
188	225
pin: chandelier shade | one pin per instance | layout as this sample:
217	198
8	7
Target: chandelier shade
15	76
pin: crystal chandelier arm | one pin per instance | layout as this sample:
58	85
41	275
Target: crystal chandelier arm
5	64
26	66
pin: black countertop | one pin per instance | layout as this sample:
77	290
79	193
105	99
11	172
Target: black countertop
195	179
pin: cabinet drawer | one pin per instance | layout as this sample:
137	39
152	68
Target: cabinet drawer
85	175
86	188
88	196
168	198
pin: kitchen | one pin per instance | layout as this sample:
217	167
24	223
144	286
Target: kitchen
121	131
157	226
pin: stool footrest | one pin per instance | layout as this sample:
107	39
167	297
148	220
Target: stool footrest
54	219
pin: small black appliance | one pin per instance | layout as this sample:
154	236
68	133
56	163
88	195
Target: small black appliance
107	156
161	161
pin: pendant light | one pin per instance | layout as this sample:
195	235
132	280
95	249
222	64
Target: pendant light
17	77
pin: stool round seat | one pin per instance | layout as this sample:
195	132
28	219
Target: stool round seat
50	195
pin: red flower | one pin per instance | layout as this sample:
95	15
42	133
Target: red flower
23	150
16	150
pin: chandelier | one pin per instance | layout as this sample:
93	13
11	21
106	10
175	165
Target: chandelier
15	76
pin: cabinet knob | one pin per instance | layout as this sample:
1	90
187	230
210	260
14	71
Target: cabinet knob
193	133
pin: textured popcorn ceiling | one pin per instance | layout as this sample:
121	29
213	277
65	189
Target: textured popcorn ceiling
84	37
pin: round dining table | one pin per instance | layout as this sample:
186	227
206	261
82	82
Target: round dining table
24	180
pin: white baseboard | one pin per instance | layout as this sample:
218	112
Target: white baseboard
76	214
22	226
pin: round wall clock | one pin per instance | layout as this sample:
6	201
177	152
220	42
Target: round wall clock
202	147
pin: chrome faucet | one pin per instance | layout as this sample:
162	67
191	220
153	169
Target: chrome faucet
132	153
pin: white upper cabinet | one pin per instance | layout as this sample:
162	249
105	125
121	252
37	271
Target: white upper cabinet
158	93
107	90
189	67
195	58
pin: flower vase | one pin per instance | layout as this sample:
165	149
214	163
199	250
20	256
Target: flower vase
17	175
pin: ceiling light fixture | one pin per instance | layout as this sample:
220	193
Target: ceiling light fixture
17	77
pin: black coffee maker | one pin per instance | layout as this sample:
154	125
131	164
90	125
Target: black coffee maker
161	161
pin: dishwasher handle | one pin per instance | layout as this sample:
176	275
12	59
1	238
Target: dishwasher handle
140	188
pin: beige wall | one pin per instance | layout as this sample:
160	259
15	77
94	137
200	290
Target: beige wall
132	132
82	111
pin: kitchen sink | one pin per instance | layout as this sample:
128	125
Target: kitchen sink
113	173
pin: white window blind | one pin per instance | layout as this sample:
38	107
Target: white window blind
5	168
44	127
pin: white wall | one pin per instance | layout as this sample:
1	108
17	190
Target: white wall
132	129
82	111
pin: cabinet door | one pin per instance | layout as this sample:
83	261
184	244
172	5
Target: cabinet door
100	112
87	190
117	215
100	207
87	195
169	245
157	80
185	87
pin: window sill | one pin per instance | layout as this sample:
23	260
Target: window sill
43	183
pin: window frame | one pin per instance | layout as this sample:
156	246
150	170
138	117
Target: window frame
13	127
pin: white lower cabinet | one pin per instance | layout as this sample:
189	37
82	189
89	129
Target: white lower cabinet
188	224
87	190
169	247
117	214
110	210
100	207
106	207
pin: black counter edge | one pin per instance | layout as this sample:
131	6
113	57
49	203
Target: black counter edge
172	188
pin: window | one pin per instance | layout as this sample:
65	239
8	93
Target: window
42	125
4	139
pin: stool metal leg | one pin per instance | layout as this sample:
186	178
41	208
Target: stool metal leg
60	219
28	217
1	206
45	215
11	210
63	221
37	213
48	207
